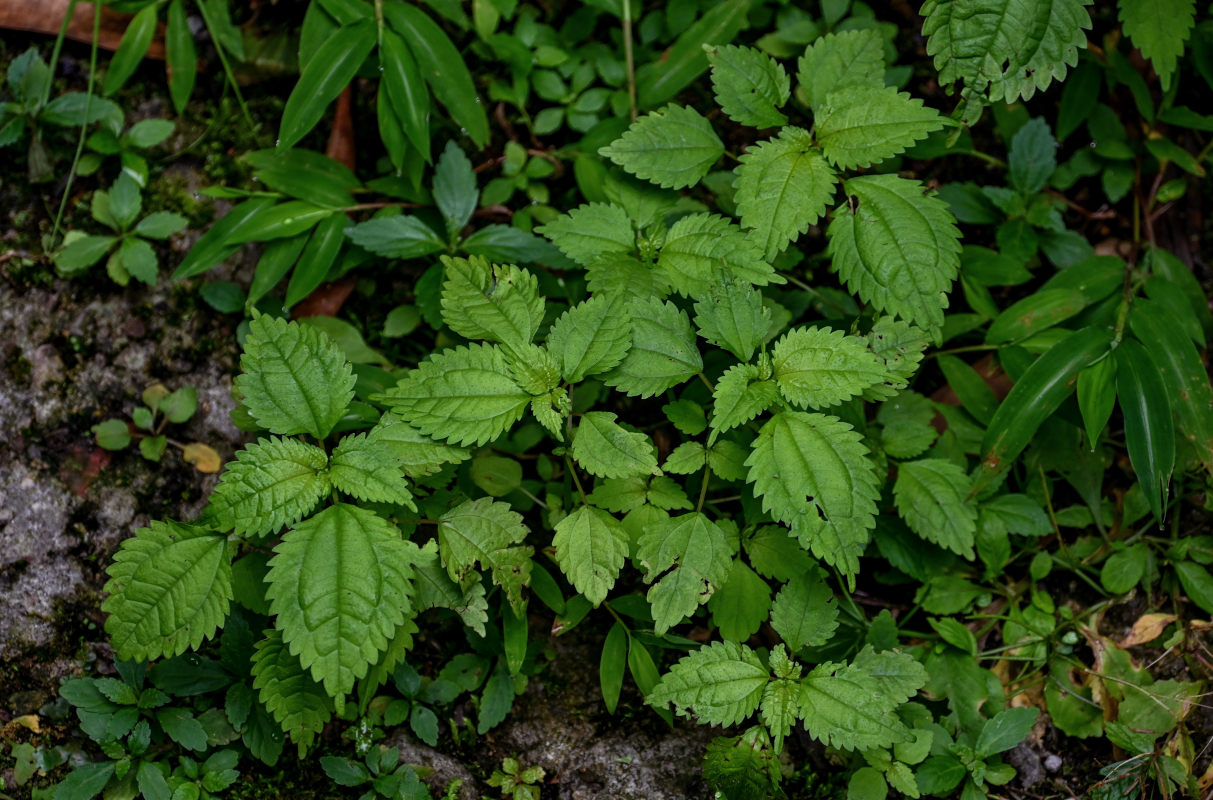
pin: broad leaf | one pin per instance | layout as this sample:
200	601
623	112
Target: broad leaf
843	707
590	338
740	396
591	547
750	86
734	317
417	454
435	589
486	532
1159	30
606	450
298	703
721	684
863	125
838	61
686	558
819	367
703	250
271	484
674	147
804	613
663	352
396	237
930	497
591	230
487	301
365	467
740	606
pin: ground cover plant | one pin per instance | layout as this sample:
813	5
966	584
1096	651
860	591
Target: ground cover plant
839	372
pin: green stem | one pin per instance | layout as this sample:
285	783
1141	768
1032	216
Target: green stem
629	57
67	18
227	68
703	489
88	102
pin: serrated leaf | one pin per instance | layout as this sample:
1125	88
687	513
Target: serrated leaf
930	496
906	421
727	460
819	367
169	589
294	378
1032	158
781	705
271	484
843	707
703	250
364	466
435	589
339	585
750	86
621	276
591	547
417	454
606	450
620	495
721	684
485	532
899	250
590	231
287	691
783	186
686	458
743	767
863	125
487	301
740	395
590	338
804	613
1159	30
740	606
838	61
733	316
674	147
466	395
686	558
663	352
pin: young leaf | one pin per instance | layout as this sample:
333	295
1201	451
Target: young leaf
804	613
466	395
417	454
1149	431
674	147
169	589
686	558
663	352
180	56
899	250
930	496
1159	30
838	61
590	338
339	585
606	450
325	76
783	186
484	531
364	467
294	378
863	125
702	250
591	230
271	484
750	86
819	367
733	316
740	396
721	684
487	301
455	191
298	703
743	766
135	41
1032	158
843	707
591	547
407	93
781	698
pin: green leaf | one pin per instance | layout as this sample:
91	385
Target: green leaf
215	245
743	767
484	531
1149	430
721	684
465	395
749	85
783	186
812	472
169	589
82	252
364	467
435	589
590	338
294	378
1020	514
686	558
674	147
125	201
443	67
906	421
161	225
135	41
182	727
804	613
843	707
863	125
740	396
85	781
319	255
408	95
306	175
271	484
417	454
1159	30
733	316
819	367
455	191
138	260
971	389
685	60
1097	397
740	606
113	434
591	547
930	496
487	301
298	703
899	345
703	250
181	56
612	664
281	221
1005	730
838	61
781	697
325	76
339	585
663	352
396	237
899	250
591	230
1197	584
1032	158
606	450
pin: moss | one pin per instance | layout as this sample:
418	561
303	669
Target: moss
16	366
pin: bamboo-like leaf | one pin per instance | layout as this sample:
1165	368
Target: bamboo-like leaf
1149	431
324	77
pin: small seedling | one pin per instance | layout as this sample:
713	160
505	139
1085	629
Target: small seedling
515	782
161	407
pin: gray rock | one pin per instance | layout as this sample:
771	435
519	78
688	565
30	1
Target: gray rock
34	514
27	613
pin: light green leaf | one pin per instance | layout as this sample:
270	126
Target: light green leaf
591	547
804	613
721	684
271	484
783	186
863	125
686	458
169	589
82	252
590	338
674	147
294	378
339	585
750	86
838	61
663	352
899	345
819	367
733	316
455	191
703	250
781	697
1005	730
686	558
435	589
417	454
591	230
843	707
930	496
396	237
740	606
740	396
606	450
298	703
364	467
487	301
485	531
899	250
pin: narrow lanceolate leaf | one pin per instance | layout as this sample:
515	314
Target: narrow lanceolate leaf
364	466
1159	30
1097	397
721	684
590	338
1149	431
684	61
844	707
294	378
486	532
704	250
663	352
591	230
930	497
138	36
339	585
324	77
804	613
591	547
298	703
1037	312
838	61
750	86
674	147
180	56
271	484
487	301
169	589
898	250
733	316
606	450
466	395
863	125
783	186
818	367
417	454
406	89
813	473
686	558
215	245
740	396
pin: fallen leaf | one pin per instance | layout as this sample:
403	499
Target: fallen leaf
203	457
46	16
1148	628
29	721
326	301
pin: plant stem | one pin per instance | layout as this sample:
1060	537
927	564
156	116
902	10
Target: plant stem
629	57
67	18
227	68
88	101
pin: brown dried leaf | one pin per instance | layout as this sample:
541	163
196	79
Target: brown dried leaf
45	16
203	457
1147	628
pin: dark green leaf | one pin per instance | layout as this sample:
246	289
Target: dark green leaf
325	76
1149	430
215	245
396	237
406	90
306	175
318	258
611	665
180	55
685	60
134	44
